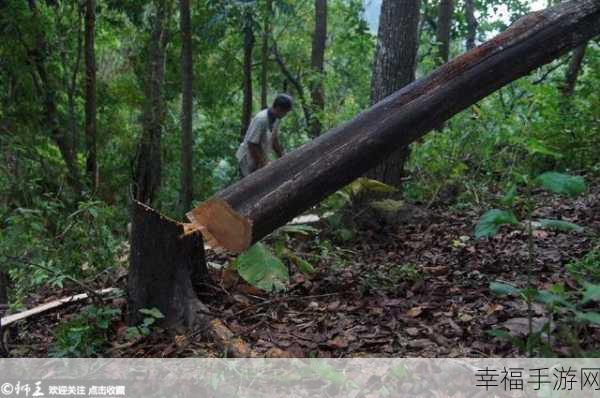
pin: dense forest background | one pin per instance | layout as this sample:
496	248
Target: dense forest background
103	100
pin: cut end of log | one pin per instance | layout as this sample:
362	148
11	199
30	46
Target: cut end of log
222	226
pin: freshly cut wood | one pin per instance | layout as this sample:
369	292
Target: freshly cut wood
277	193
221	226
166	263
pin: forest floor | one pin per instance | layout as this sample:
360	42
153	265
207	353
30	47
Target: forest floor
418	290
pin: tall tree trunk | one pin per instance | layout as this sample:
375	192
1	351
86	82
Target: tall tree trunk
445	11
573	71
264	84
317	63
147	173
248	47
187	79
394	67
275	194
71	83
471	24
90	94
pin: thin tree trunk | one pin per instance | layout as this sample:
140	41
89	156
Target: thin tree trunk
90	94
295	81
148	166
394	67
471	24
264	84
56	131
51	116
187	77
445	11
573	71
444	25
248	47
317	63
273	195
71	84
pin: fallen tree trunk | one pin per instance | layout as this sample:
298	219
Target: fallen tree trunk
253	207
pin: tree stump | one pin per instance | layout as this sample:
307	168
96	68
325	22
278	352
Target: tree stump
166	264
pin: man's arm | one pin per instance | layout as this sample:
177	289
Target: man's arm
276	144
257	155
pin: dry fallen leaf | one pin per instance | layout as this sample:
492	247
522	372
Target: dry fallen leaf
413	332
415	311
491	308
465	317
180	340
338	342
437	271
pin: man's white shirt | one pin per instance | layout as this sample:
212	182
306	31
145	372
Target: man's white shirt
260	133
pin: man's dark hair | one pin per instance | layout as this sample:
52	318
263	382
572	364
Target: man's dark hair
283	101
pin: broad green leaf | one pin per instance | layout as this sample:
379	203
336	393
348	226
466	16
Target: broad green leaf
591	293
534	146
592	317
492	220
548	298
562	183
259	267
153	312
559	225
387	205
500	333
503	289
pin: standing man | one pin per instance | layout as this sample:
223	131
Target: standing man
261	143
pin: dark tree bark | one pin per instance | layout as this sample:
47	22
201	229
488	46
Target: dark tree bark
445	11
187	79
165	265
90	94
471	24
394	68
273	195
264	84
147	172
248	47
317	63
573	71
